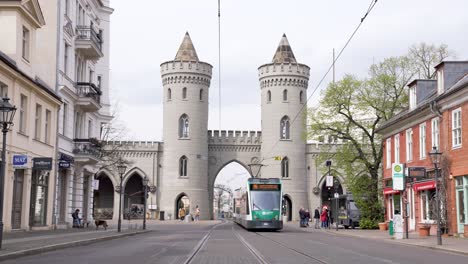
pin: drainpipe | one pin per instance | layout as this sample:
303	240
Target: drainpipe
57	60
434	109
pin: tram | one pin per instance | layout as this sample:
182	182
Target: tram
259	204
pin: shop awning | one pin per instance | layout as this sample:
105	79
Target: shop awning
388	191
421	186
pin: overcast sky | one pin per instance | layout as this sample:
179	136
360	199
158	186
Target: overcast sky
145	33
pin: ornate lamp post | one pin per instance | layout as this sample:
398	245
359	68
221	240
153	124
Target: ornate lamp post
336	184
7	112
255	169
121	168
145	186
435	156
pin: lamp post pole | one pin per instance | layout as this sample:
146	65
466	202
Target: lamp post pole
145	183
121	167
336	203
7	112
435	158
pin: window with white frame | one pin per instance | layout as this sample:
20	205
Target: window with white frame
440	81
456	128
183	166
37	122
435	132
422	141
428	205
90	128
285	167
26	44
409	145
65	59
48	116
3	90
397	148
284	128
388	148
64	118
184	126
412	98
23	113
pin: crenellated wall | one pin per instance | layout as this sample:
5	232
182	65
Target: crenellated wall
234	137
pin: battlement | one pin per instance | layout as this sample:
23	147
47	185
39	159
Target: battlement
187	67
282	69
231	137
135	145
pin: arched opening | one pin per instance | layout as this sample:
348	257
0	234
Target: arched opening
285	95
133	197
103	202
227	188
183	126
184	93
285	167
182	207
269	96
287	207
328	192
284	127
169	94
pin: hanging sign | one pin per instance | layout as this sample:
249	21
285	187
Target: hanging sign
20	161
96	185
329	182
398	176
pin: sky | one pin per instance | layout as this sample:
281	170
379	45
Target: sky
146	34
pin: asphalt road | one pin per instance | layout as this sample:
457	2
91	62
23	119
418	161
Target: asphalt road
229	243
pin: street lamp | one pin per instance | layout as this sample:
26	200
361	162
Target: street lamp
335	186
145	186
121	169
255	167
435	156
7	112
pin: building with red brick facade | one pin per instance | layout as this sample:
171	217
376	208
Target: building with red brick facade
437	117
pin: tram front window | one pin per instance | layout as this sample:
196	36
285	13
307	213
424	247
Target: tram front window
265	200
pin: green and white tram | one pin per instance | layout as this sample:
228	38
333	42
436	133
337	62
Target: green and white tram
258	206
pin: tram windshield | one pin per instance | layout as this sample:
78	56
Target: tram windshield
265	200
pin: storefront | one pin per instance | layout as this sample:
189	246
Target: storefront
461	189
39	191
20	164
64	174
426	202
393	202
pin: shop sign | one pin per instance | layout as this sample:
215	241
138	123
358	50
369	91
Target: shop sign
421	186
42	163
417	172
64	164
20	161
388	191
398	176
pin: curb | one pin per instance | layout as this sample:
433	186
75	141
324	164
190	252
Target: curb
38	250
450	250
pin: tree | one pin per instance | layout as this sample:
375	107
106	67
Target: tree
427	56
352	109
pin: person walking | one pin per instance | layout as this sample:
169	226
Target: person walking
301	217
317	217
323	218
76	218
306	218
197	213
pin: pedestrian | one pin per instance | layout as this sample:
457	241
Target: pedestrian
323	217
329	219
301	217
317	217
306	217
76	219
181	214
197	213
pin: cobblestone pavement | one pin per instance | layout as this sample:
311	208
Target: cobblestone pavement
215	242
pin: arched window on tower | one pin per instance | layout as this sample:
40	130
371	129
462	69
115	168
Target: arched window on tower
269	96
285	167
184	126
184	93
169	94
183	161
285	95
284	128
201	94
301	97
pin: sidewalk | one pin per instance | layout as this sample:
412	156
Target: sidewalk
17	244
450	244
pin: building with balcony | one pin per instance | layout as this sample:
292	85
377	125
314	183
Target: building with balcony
27	78
83	84
436	117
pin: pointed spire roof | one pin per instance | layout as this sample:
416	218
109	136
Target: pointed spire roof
186	50
284	52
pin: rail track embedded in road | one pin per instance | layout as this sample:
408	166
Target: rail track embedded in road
191	256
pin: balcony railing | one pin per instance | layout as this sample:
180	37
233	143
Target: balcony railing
88	33
87	148
88	90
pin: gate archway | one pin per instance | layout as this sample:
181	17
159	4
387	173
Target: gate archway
103	202
328	192
133	198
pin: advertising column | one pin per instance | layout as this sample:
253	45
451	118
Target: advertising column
39	191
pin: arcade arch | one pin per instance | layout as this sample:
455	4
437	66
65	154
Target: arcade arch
103	202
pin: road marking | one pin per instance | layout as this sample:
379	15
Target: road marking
253	250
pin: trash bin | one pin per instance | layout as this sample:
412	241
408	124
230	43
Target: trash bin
390	228
161	215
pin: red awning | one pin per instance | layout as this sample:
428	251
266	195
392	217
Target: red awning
388	191
421	186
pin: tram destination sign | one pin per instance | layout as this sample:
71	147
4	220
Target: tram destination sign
265	187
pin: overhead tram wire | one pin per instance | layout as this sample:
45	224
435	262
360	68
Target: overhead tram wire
369	9
219	62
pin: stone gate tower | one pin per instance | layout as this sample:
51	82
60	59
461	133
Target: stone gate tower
283	84
186	81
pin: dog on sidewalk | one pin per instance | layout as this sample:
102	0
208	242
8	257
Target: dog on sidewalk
99	223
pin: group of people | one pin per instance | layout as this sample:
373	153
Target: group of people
321	218
182	214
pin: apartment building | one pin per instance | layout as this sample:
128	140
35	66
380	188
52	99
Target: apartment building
83	84
27	78
437	117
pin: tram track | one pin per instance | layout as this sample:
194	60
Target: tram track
191	256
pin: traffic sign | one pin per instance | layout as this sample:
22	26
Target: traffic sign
398	176
278	158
